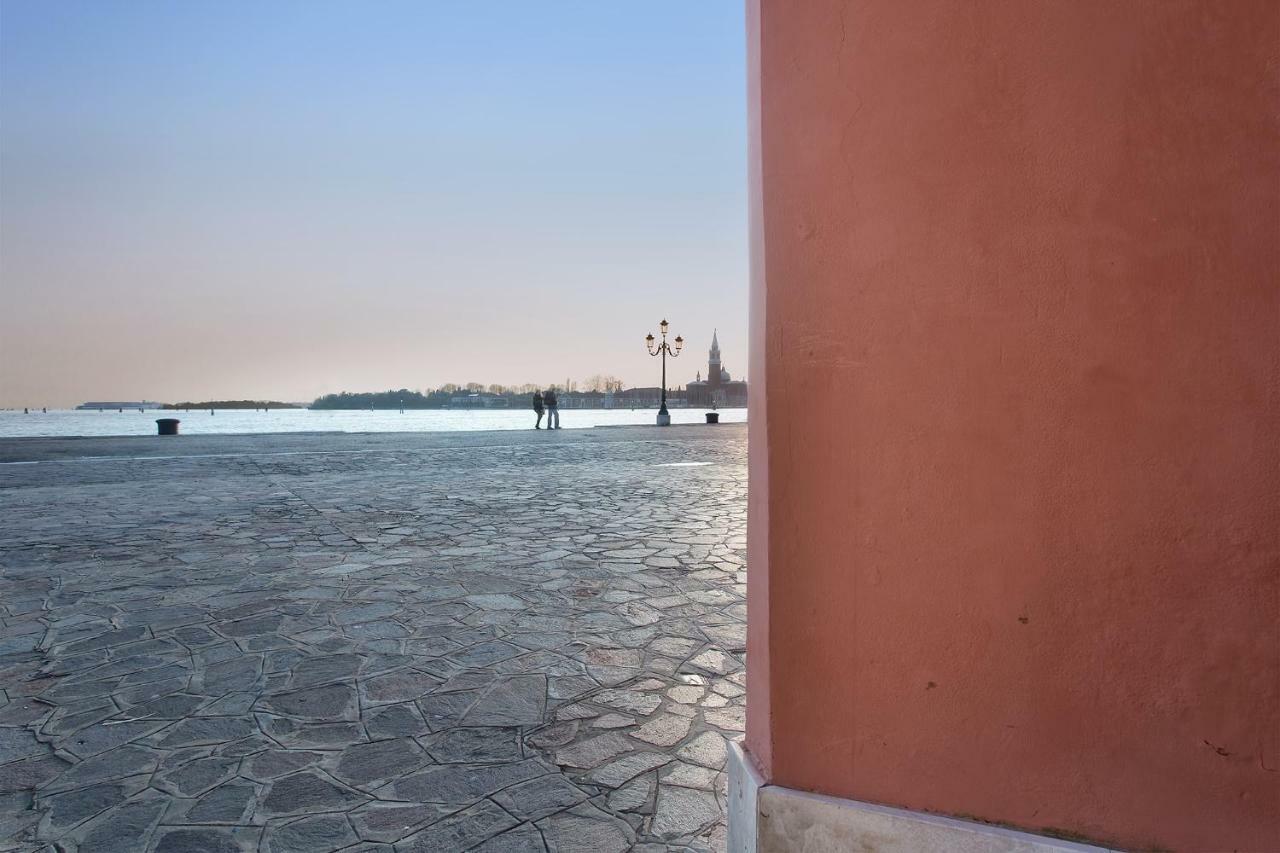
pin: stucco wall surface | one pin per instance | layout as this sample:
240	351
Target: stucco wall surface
1015	294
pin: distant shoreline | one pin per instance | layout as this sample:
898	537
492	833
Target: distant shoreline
233	405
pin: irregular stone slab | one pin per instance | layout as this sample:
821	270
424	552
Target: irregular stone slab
666	730
631	701
19	743
524	838
540	797
614	657
331	702
625	769
129	760
376	631
308	792
484	654
690	776
519	700
195	636
676	647
225	804
496	601
686	694
459	831
16	645
385	759
317	834
188	839
79	804
403	686
147	692
173	707
443	710
639	614
199	775
254	627
279	762
586	830
105	736
206	730
28	773
231	705
569	686
556	734
24	710
682	811
237	674
17	817
714	660
632	796
316	735
159	673
364	613
612	721
731	719
393	821
594	751
316	671
707	749
465	783
125	828
395	721
102	641
476	745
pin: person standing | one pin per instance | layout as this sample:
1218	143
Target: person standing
553	411
537	408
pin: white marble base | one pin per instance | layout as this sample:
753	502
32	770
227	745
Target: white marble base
744	783
770	819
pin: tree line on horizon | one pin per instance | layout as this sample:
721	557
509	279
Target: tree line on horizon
440	397
232	404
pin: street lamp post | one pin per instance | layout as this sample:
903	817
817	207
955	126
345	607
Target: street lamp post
664	349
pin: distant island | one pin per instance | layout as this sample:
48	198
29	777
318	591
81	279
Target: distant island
603	395
403	399
233	404
119	404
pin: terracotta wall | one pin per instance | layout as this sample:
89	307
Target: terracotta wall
1016	411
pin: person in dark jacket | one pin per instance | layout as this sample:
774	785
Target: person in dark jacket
537	408
553	413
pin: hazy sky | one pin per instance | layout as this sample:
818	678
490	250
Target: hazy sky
282	199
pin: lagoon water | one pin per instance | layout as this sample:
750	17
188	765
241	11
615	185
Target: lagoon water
133	422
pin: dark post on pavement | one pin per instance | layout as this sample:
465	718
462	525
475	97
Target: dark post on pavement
167	426
663	349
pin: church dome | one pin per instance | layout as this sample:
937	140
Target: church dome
724	375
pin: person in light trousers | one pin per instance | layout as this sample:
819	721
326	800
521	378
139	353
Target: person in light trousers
553	410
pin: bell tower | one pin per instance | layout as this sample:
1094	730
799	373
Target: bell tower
713	362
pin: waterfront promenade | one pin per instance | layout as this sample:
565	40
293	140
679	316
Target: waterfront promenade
411	642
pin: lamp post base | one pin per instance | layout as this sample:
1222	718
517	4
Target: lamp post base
664	417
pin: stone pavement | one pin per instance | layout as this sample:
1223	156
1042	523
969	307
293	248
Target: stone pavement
488	641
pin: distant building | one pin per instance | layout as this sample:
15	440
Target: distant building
582	400
719	388
116	404
480	400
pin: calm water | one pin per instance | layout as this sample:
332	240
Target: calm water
68	423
